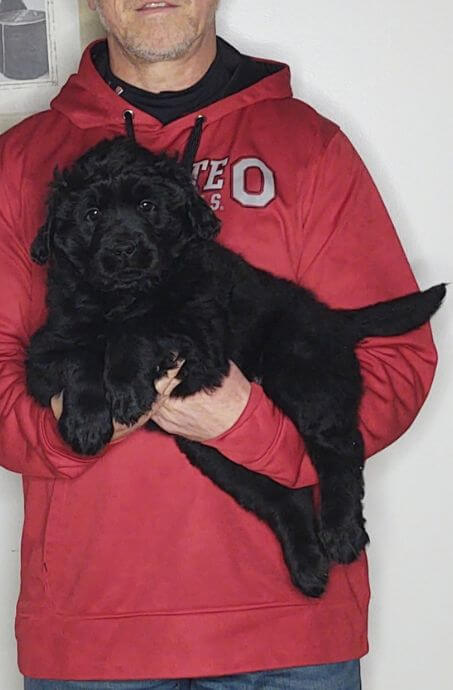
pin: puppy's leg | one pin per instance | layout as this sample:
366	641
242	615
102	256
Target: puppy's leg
288	512
201	370
53	364
322	404
86	421
132	363
201	344
44	366
135	360
342	525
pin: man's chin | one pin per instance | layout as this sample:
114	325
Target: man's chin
165	45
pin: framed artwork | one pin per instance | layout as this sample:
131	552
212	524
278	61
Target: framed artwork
26	45
40	46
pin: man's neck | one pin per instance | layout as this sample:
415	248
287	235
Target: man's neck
168	75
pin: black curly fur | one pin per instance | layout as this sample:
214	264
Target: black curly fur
135	278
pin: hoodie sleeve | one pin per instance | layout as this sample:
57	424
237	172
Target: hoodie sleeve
264	440
351	257
29	439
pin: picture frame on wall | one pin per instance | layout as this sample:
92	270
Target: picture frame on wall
27	41
41	42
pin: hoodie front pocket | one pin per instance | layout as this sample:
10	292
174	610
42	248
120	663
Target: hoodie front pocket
54	525
145	532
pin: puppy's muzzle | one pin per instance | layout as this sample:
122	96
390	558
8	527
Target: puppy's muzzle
122	258
127	250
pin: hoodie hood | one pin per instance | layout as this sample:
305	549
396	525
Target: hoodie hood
89	102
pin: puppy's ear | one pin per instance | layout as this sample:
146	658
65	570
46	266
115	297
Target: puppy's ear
205	223
42	244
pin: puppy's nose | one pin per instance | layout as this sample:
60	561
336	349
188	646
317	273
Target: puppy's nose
126	249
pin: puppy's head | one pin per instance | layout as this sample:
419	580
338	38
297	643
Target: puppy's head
121	217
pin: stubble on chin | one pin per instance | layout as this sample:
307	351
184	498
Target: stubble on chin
142	51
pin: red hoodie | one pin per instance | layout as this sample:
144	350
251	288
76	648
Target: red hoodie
134	565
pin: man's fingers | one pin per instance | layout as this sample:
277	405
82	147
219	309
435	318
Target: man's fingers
56	404
164	387
167	383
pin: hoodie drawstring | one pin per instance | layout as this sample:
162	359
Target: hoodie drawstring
129	123
193	143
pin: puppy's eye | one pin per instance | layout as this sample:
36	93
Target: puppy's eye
93	214
147	206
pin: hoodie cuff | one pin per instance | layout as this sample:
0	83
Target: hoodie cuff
265	441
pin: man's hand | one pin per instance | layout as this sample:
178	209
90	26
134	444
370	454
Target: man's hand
201	416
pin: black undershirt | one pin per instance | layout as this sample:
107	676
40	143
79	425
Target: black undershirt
229	73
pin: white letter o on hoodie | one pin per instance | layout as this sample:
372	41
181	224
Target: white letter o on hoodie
254	199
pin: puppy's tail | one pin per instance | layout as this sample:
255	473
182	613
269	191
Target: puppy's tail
396	316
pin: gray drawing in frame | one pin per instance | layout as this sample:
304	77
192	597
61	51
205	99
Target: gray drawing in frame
27	43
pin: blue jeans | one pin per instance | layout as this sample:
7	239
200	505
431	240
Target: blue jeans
343	676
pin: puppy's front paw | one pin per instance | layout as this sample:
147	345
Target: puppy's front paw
86	434
129	404
131	366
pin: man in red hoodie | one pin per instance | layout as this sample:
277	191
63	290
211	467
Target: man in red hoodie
137	572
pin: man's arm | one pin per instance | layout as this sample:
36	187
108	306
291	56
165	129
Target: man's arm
29	440
241	422
350	257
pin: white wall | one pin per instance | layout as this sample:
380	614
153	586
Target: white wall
383	71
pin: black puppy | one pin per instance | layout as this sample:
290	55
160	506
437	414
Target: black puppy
136	279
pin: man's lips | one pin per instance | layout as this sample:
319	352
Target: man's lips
154	6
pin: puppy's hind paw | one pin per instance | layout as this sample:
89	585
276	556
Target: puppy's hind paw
344	544
309	569
312	584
